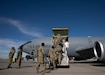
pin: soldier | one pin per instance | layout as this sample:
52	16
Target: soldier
19	57
52	56
40	57
57	40
58	51
11	55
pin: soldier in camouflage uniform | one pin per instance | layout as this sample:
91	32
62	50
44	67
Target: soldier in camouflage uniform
57	40
58	47
40	57
58	51
19	57
52	56
11	55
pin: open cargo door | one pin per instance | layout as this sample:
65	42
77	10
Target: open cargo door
64	35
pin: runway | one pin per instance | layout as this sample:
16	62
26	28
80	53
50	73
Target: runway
76	68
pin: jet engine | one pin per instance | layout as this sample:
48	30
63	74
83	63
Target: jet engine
99	50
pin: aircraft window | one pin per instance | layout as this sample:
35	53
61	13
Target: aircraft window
37	46
24	48
48	45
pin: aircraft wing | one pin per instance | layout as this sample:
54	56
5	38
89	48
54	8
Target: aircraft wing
86	53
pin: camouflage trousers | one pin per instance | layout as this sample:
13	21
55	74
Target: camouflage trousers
59	57
10	62
52	62
40	62
19	62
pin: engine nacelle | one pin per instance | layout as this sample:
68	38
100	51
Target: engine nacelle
99	50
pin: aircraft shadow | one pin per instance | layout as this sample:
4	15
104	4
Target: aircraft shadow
43	71
92	63
99	64
17	67
27	66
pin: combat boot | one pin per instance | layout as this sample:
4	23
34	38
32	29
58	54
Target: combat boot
55	68
9	67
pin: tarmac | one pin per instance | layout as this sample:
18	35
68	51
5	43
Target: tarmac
76	68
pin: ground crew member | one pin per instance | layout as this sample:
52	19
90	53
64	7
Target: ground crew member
40	57
58	51
11	55
52	56
19	57
32	54
57	40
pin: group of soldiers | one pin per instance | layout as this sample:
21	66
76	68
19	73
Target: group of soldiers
54	54
18	58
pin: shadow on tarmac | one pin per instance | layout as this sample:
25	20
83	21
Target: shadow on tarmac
92	63
99	64
3	68
26	66
17	67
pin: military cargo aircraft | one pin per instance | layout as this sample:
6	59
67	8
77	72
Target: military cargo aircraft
80	47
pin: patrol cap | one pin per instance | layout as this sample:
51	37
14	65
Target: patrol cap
42	44
13	47
52	46
66	39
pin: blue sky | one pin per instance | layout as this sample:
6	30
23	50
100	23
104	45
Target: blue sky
23	20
